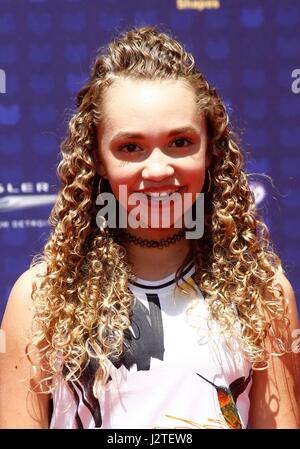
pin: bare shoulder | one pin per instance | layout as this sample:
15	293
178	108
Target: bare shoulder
16	404
32	274
274	394
19	303
290	298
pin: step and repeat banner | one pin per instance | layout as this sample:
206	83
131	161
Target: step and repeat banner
250	51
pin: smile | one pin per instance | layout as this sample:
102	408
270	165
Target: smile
161	195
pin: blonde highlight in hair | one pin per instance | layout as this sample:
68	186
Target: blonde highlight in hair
83	304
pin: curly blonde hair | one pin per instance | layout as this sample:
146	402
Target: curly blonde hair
83	304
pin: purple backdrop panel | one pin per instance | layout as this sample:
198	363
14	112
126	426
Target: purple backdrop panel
250	50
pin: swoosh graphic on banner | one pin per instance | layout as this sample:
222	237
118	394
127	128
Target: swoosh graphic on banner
15	202
9	203
259	191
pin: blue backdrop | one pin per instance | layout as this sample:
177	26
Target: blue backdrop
250	50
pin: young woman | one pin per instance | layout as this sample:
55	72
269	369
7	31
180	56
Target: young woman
142	327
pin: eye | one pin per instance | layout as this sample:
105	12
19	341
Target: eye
128	148
180	142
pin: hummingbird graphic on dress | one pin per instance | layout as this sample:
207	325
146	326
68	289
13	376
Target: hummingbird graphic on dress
227	397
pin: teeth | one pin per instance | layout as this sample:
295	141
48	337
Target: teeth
161	194
155	194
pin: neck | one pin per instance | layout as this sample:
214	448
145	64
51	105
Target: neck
157	263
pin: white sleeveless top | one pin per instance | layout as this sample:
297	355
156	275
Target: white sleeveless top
175	372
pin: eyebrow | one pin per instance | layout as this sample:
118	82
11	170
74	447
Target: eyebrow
174	132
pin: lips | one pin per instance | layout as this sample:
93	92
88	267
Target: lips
162	194
164	200
160	190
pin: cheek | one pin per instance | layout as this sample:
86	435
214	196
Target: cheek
119	177
195	172
120	180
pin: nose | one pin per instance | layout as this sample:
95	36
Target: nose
157	166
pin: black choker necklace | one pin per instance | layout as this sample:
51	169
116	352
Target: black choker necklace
126	236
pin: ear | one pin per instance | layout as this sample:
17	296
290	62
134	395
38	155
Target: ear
98	164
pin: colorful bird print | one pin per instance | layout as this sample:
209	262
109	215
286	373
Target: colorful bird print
227	399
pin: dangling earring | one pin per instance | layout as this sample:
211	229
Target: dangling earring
209	182
100	220
99	186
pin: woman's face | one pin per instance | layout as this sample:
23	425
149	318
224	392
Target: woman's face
152	138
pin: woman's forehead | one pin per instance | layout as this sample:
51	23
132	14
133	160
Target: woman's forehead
130	103
146	88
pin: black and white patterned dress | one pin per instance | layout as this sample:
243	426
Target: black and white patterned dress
175	373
